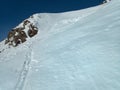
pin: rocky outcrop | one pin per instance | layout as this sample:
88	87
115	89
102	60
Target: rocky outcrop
20	34
16	36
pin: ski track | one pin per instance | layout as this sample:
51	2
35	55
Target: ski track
25	70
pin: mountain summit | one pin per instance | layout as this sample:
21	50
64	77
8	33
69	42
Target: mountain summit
78	50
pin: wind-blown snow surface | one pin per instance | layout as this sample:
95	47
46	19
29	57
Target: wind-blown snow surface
77	50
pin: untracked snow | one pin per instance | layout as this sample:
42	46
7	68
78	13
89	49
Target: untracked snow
77	50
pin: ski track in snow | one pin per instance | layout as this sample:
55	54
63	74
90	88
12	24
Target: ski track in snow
25	70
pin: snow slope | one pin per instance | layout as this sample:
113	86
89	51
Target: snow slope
77	50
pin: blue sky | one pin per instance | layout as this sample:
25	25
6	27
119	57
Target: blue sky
15	11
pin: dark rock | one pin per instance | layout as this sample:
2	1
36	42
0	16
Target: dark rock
16	41
23	34
32	33
33	27
25	23
16	37
11	34
19	29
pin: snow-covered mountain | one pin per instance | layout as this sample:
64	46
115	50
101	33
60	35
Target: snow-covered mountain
78	50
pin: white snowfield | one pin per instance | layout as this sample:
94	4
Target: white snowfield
77	50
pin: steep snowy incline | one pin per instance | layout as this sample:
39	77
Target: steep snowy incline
84	55
14	62
77	50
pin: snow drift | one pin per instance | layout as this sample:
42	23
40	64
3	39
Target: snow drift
77	50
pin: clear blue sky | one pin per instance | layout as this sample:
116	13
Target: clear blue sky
15	11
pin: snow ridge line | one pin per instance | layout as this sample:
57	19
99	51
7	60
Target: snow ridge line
24	72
